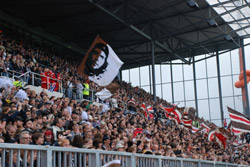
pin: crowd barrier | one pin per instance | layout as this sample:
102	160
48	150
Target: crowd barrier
35	80
17	155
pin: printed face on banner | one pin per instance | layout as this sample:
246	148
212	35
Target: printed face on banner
97	63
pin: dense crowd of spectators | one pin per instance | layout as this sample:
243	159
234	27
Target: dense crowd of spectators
111	125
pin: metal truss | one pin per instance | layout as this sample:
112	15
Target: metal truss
137	30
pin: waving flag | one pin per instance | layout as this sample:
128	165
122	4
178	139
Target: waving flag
143	107
207	129
221	135
195	129
187	122
150	109
145	112
132	100
104	94
52	88
211	135
100	64
239	122
151	116
178	116
136	131
167	115
168	109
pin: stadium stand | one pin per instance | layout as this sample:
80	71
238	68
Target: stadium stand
117	124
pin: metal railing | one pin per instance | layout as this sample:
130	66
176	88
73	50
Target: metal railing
32	78
32	155
35	79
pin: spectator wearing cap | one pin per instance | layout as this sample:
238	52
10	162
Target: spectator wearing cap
47	106
106	142
119	147
28	125
18	123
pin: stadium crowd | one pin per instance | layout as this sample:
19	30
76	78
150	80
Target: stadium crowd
116	124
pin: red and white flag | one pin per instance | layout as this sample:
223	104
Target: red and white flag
132	100
167	115
168	109
221	136
187	122
195	129
211	135
178	116
240	123
150	109
151	116
143	107
207	129
100	64
136	131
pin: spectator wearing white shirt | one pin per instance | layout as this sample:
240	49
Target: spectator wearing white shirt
58	127
84	115
69	87
79	89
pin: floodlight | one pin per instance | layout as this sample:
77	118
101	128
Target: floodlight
228	37
212	23
192	4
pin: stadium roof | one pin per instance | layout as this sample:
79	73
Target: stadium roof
180	28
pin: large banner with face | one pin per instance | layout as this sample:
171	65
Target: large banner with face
100	64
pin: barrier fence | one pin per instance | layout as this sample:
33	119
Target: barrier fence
35	79
19	155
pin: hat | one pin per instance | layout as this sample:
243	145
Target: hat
37	100
74	112
105	137
40	105
47	102
119	145
18	118
27	120
147	152
90	118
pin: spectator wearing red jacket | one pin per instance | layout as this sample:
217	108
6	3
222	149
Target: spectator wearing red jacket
53	79
46	78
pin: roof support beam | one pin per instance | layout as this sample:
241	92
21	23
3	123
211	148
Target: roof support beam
132	27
